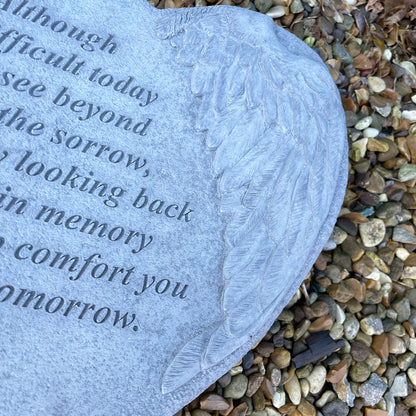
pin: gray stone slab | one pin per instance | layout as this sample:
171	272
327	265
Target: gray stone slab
167	179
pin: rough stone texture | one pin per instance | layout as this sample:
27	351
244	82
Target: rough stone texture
373	389
335	408
183	211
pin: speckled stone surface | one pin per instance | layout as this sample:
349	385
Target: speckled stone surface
167	179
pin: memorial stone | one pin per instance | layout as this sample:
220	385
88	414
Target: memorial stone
167	179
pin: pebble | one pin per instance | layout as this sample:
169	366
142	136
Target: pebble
279	398
237	388
373	361
214	402
380	345
337	331
327	396
292	388
409	273
411	295
317	379
407	172
306	409
377	84
396	344
337	372
360	146
411	373
296	7
374	145
275	377
324	323
335	408
340	292
375	412
364	123
410	400
404	361
281	358
276	12
263	5
399	387
254	383
270	411
199	412
373	389
225	380
402	307
340	51
344	392
351	327
372	325
359	351
409	115
359	372
338	235
247	361
304	386
373	232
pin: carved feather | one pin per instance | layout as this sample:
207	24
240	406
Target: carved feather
275	177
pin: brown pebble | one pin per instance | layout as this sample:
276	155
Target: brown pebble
409	329
337	372
380	345
375	412
254	383
281	358
353	306
401	410
287	409
265	349
306	409
319	308
267	388
324	323
240	410
362	62
321	262
229	410
410	400
213	401
340	292
364	266
259	402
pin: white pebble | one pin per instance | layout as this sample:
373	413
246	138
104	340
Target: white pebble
276	12
340	315
402	253
409	115
364	123
317	379
387	54
371	132
377	84
279	398
409	67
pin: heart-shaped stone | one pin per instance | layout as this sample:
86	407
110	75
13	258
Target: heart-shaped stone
167	179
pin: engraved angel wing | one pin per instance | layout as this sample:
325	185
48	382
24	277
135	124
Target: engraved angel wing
279	184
